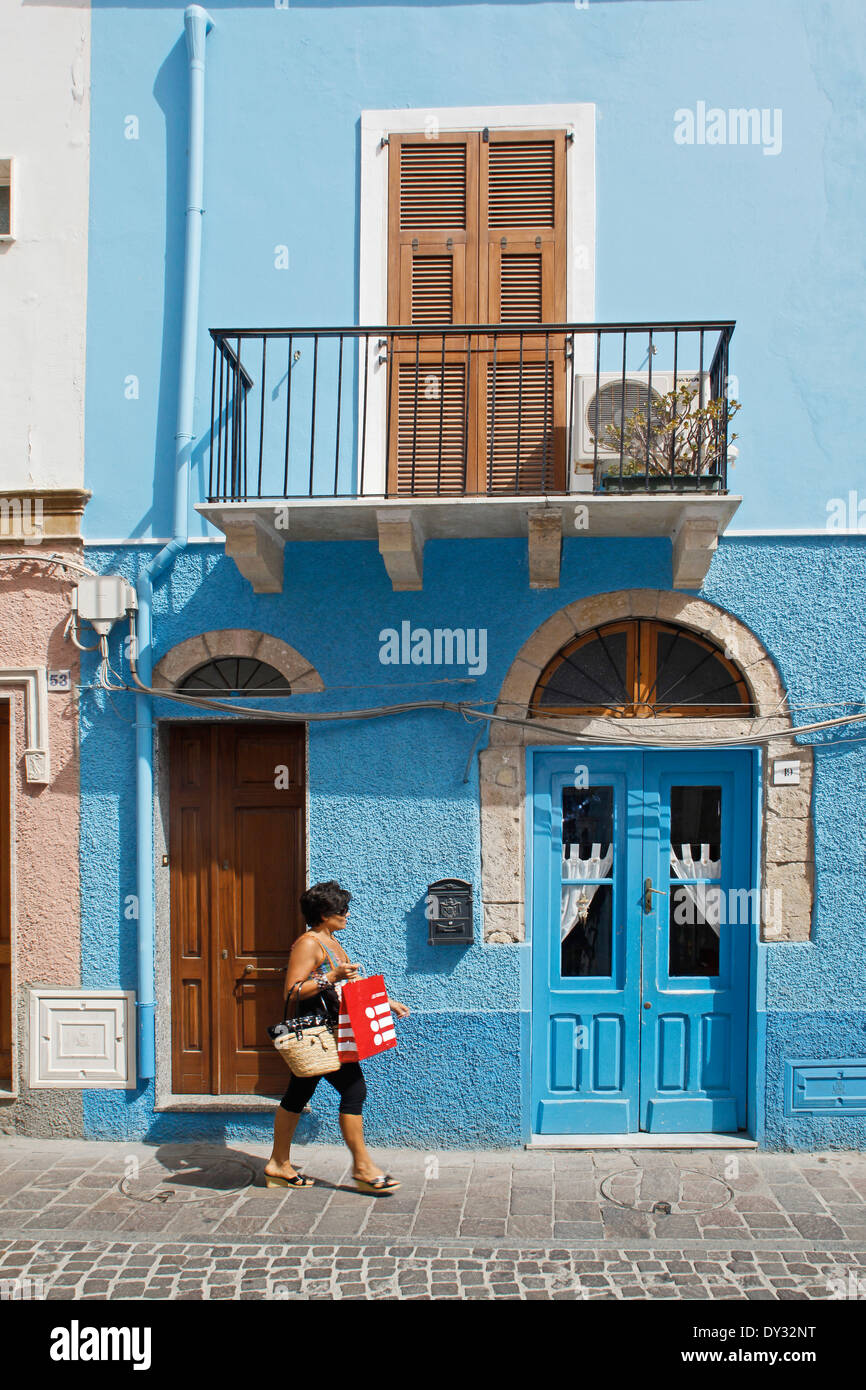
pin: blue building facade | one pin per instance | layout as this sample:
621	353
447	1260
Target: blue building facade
701	174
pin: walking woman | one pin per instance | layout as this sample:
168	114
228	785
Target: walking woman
317	961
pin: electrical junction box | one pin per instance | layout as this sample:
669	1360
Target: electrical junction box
103	601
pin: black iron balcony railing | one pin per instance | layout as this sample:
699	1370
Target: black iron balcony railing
476	410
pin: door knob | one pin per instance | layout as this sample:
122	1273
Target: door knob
647	1006
225	955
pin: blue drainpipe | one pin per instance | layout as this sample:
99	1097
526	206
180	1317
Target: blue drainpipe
197	24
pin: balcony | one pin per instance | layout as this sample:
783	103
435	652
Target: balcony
405	434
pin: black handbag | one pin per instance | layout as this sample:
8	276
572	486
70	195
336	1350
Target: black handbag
325	1007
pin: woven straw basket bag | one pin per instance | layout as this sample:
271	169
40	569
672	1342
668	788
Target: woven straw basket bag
309	1051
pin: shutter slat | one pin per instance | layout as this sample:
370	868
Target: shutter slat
522	449
521	184
432	186
432	289
431	405
520	289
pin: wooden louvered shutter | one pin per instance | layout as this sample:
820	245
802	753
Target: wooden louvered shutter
521	444
476	229
433	280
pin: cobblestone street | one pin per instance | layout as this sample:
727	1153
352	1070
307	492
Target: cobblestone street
113	1221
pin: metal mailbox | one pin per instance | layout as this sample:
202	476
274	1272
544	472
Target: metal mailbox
449	912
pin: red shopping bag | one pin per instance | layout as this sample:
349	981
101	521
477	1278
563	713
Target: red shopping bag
366	1025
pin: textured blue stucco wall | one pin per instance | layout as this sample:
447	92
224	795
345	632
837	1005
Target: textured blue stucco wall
683	231
773	241
390	812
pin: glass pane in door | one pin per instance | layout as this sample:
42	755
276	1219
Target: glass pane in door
695	871
586	910
586	918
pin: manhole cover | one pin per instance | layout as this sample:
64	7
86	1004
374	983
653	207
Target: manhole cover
198	1180
677	1192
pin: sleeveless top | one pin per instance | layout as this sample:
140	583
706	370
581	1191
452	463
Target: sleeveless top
305	1005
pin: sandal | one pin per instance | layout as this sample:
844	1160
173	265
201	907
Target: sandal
271	1180
377	1186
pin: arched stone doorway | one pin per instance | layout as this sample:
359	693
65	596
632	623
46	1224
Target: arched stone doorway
787	862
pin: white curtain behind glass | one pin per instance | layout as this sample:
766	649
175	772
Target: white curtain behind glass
576	898
702	897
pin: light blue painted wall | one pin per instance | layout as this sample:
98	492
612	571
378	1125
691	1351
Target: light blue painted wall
683	232
390	812
700	232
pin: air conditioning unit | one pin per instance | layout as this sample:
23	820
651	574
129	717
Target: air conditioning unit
608	399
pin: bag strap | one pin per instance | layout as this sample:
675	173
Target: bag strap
301	983
328	954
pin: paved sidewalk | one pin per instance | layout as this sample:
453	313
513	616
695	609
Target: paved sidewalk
98	1221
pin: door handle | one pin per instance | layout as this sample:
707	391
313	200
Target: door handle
265	969
648	891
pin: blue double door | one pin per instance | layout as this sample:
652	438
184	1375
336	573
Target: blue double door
643	913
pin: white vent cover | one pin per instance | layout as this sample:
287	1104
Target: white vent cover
82	1038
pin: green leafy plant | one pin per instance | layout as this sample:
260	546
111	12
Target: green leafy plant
684	438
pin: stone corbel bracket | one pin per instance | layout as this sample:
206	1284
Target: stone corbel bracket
693	542
35	682
257	550
544	525
401	545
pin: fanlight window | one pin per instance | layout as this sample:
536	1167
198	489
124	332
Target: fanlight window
234	674
638	669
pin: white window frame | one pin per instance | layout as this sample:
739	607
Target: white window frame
577	118
7	179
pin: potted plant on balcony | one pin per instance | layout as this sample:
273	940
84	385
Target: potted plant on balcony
680	447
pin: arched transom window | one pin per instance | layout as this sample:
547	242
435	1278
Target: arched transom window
233	674
640	668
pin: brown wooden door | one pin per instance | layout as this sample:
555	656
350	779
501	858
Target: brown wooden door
5	903
237	856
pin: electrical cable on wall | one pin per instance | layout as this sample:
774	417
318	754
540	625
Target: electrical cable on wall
468	711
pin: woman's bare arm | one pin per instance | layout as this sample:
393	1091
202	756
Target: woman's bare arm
305	956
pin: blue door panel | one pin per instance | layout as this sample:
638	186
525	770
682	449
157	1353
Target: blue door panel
608	1049
586	1116
673	1053
598	990
691	1115
563	1053
715	1053
709	1000
640	1004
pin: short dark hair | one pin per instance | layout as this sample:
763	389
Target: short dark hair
324	900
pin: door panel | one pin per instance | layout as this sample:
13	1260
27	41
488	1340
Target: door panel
695	961
640	978
190	818
237	855
5	900
587	966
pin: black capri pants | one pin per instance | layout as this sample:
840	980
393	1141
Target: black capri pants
348	1082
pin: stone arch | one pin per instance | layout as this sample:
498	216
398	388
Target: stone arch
787	854
187	656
